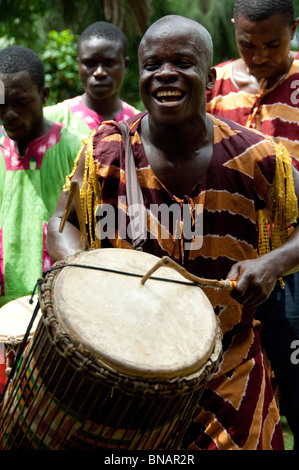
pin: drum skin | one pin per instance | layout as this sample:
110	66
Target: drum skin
113	364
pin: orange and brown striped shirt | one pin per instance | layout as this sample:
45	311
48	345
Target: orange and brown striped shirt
221	214
274	112
221	210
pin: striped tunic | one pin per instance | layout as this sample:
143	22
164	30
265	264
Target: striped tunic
274	112
237	410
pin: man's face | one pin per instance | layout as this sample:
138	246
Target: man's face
22	112
265	45
174	72
102	67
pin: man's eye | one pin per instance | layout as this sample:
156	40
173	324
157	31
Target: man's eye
273	45
109	63
246	45
89	63
184	64
151	66
24	103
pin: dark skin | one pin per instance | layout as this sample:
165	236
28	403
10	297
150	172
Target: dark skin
102	68
177	124
264	48
22	113
167	164
177	136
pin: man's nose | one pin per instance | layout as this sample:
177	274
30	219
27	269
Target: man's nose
260	56
166	72
9	114
100	71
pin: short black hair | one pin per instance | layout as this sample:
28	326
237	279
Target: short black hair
15	59
259	10
102	29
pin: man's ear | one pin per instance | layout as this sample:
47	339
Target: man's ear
294	27
211	79
127	62
45	93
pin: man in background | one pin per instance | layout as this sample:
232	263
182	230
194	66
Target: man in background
35	156
103	63
260	90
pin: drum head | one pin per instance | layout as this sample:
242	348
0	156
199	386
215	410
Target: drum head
15	317
161	329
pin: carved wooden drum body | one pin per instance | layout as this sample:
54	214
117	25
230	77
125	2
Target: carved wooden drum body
113	363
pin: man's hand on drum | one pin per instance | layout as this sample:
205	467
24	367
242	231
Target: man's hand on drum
257	277
255	281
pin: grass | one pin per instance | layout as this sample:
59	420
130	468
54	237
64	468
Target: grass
287	434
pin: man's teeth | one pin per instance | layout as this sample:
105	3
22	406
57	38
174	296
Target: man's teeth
161	94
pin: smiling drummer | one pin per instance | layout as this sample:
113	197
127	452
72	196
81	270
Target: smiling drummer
222	175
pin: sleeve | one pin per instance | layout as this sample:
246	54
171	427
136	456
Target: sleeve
2	176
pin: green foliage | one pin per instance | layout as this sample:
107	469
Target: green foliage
218	22
288	436
50	27
61	66
19	20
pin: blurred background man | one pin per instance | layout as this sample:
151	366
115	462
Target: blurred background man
103	63
260	91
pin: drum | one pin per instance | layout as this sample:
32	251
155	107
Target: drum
14	319
114	363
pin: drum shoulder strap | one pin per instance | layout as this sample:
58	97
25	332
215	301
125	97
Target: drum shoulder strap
133	190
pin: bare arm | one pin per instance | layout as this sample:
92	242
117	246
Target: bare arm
256	278
68	241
